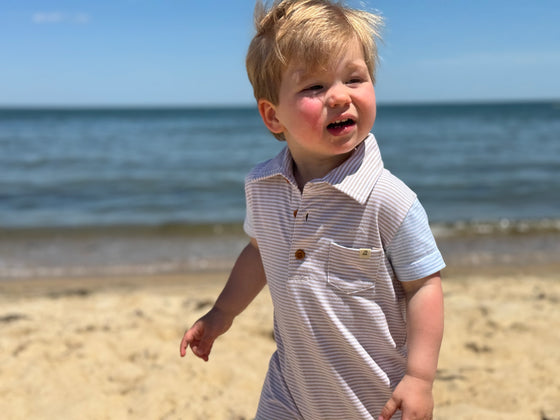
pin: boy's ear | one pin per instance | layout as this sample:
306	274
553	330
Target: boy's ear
269	117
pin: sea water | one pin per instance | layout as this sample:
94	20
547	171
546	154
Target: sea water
168	173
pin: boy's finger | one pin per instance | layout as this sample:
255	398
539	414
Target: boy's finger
184	345
389	409
200	353
189	338
203	348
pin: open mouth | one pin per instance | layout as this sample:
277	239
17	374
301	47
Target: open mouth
341	124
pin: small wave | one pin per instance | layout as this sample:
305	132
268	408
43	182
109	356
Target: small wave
496	227
215	230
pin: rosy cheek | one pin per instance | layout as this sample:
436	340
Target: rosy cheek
311	111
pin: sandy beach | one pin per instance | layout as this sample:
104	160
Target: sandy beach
108	348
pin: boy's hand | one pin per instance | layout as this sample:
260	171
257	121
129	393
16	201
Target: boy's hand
413	396
201	336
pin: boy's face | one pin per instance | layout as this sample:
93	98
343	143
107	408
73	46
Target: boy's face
326	113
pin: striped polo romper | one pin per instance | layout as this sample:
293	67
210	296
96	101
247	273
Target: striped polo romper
334	277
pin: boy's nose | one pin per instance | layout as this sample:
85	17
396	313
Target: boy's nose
338	95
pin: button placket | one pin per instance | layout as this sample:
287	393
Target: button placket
298	250
296	254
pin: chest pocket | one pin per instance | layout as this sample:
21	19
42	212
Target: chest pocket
352	270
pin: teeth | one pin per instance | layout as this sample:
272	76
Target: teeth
342	122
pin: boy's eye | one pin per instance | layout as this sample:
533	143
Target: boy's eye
313	88
355	80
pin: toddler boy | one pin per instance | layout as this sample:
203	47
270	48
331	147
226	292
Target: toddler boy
344	246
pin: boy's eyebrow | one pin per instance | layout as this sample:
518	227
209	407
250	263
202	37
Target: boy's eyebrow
300	75
357	65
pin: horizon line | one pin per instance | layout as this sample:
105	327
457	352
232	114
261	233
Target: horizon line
147	106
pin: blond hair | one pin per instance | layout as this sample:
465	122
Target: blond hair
307	31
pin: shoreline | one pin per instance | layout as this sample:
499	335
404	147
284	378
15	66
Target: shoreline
106	253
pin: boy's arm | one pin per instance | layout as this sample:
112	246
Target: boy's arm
246	280
413	395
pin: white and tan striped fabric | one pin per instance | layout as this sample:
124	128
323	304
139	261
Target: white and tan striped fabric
339	309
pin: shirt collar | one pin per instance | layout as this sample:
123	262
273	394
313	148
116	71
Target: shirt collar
356	177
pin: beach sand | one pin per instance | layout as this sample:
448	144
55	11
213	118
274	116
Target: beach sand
108	348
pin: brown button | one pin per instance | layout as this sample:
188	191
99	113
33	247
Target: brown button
300	254
295	213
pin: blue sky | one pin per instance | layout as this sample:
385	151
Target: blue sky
184	52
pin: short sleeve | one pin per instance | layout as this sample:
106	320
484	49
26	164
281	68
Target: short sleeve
413	252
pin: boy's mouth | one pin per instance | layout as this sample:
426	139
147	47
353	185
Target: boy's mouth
340	127
341	123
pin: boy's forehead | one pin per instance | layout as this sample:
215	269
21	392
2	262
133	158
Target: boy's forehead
297	74
301	65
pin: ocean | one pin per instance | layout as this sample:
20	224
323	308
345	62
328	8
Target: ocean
152	190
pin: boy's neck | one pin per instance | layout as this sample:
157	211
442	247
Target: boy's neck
305	171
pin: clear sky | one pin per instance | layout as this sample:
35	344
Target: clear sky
184	52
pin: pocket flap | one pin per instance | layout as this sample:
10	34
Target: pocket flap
352	270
